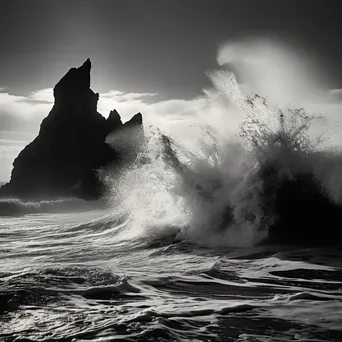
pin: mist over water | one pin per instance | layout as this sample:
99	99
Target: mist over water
210	189
174	252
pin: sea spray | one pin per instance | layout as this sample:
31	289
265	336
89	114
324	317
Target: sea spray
142	193
235	189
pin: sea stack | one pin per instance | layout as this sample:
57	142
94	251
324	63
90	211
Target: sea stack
71	146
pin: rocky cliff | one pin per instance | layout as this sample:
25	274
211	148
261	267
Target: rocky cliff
71	145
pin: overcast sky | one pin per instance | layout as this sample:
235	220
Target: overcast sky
146	54
162	46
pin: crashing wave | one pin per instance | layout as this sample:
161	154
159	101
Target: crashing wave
275	183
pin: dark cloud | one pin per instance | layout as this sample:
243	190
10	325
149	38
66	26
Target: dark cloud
152	46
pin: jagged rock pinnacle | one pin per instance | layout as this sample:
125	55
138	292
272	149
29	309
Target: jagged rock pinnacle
74	83
71	145
87	63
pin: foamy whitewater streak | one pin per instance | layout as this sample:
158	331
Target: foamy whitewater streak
15	207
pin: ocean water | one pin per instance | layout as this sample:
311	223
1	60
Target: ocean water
179	249
65	279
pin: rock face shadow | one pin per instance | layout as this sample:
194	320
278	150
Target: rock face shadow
71	147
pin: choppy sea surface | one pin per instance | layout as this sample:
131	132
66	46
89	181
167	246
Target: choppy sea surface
173	252
67	277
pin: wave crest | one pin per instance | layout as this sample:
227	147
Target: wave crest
271	181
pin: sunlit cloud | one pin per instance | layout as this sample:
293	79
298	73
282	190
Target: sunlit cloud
127	104
335	95
42	95
20	113
124	97
10	146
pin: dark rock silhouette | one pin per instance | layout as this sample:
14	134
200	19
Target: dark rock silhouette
71	145
304	214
